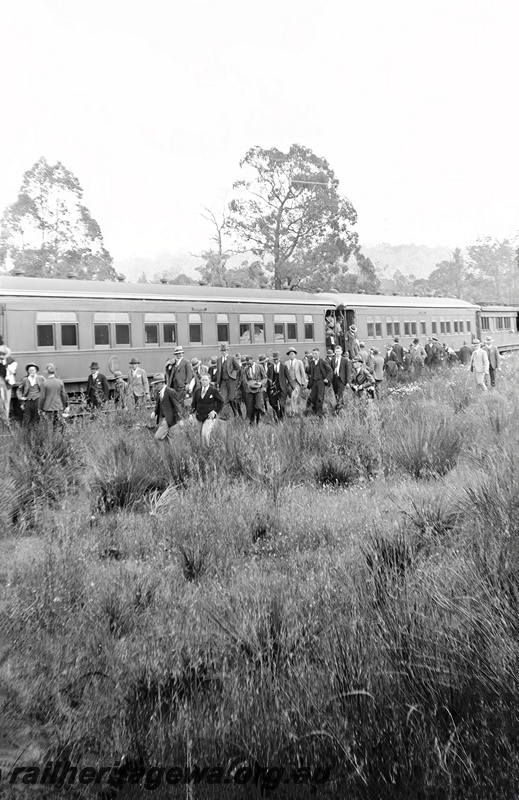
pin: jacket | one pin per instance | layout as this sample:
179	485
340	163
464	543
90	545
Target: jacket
53	396
202	406
319	372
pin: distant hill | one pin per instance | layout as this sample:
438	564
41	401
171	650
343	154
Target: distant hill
410	259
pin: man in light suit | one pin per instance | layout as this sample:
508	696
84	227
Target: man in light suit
206	405
297	378
138	387
341	367
494	359
320	375
227	371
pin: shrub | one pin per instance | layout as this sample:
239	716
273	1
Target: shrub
426	442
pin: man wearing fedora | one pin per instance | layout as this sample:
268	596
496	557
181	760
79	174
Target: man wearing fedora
479	365
227	371
120	390
178	374
138	387
97	389
278	386
297	377
494	359
28	394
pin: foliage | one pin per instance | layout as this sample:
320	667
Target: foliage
48	231
288	211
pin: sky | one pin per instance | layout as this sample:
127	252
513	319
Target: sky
152	106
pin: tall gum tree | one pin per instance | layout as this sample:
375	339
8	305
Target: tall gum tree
287	210
49	232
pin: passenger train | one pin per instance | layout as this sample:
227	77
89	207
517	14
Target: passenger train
72	322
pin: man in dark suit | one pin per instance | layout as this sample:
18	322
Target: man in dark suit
320	374
168	410
398	350
97	389
179	374
206	405
341	367
278	385
227	371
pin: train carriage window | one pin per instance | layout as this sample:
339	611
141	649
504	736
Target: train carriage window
423	327
447	326
407	328
413	327
309	328
45	335
195	329
291	332
151	334
508	323
245	337
285	328
442	325
396	327
462	327
169	332
69	335
456	326
102	335
485	323
222	328
279	333
389	326
259	332
122	335
434	326
469	327
378	327
371	328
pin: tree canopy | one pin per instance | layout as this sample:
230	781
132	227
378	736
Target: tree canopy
287	210
48	232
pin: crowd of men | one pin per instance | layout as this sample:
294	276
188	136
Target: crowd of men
240	386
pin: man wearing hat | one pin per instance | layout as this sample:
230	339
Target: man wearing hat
494	359
212	369
28	394
479	365
206	405
53	397
97	389
297	378
320	374
362	381
278	386
434	355
398	350
254	384
138	387
120	390
465	354
197	367
179	374
228	368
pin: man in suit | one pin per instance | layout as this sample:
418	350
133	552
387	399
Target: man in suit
179	374
494	359
53	398
297	378
227	370
254	384
465	354
320	375
398	350
352	343
206	405
168	410
138	387
97	389
479	365
341	367
278	386
28	394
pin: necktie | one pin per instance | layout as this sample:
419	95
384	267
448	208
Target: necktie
203	392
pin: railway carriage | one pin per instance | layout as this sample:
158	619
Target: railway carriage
380	318
72	323
502	324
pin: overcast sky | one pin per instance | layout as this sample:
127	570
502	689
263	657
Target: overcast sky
152	105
